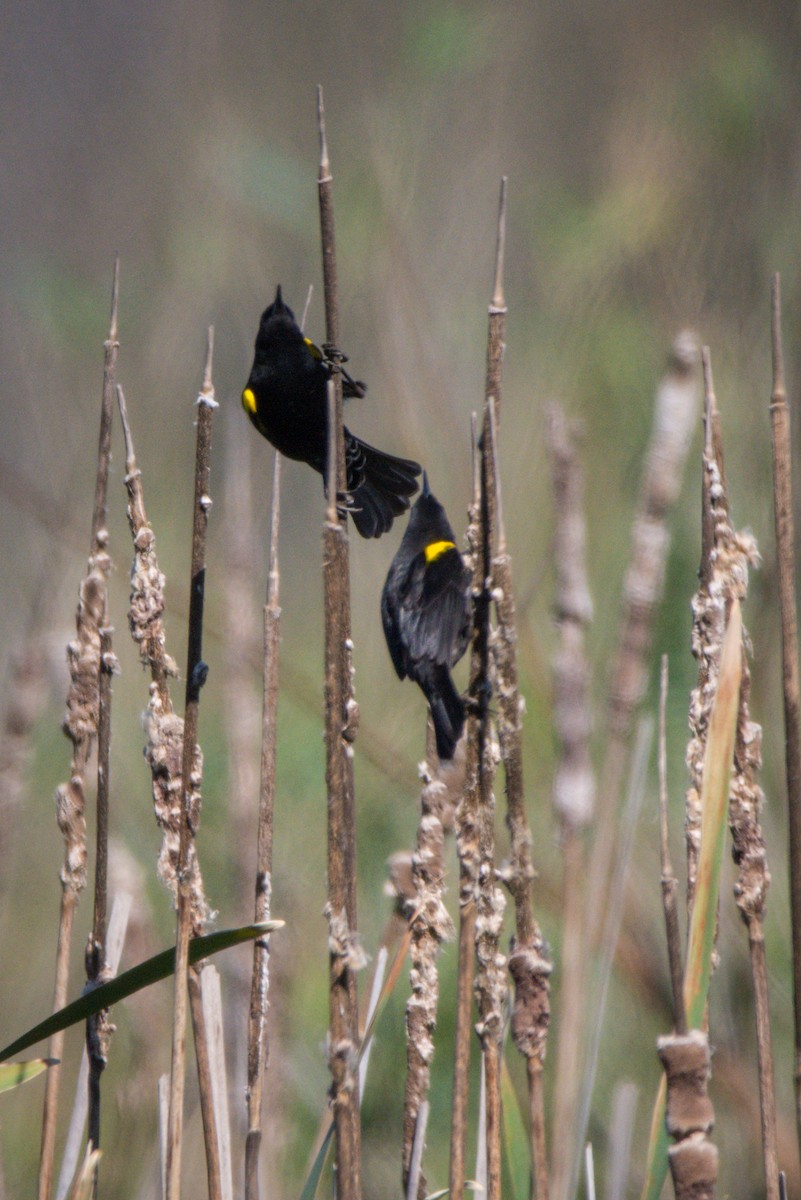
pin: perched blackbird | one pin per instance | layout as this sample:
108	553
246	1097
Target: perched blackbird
426	613
286	399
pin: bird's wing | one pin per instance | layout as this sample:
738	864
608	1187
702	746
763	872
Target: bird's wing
434	616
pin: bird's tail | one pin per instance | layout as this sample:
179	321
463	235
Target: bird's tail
447	709
383	486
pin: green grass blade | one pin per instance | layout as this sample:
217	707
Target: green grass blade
313	1178
141	976
718	759
13	1074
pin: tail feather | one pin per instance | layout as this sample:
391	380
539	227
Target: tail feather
384	490
447	709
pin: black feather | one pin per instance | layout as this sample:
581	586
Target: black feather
426	614
288	381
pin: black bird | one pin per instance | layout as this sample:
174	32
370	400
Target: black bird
286	399
426	613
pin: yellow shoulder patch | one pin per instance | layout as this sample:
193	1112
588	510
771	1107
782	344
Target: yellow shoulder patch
313	350
435	549
249	401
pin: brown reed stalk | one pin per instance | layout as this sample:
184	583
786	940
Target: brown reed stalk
80	726
98	1027
190	918
746	800
481	901
669	881
258	1046
675	412
490	984
785	555
341	723
675	409
467	847
723	574
529	962
689	1114
430	925
574	780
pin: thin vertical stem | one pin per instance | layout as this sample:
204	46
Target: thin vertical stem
258	1046
98	1027
467	847
80	725
785	542
341	720
669	882
195	678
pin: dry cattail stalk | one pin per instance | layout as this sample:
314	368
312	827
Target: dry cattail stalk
724	575
80	725
689	1116
164	728
529	962
467	839
785	556
341	723
191	904
430	926
260	976
675	410
574	779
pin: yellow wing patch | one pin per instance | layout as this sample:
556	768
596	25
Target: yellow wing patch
435	549
313	350
249	401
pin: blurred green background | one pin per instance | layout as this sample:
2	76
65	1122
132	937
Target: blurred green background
654	162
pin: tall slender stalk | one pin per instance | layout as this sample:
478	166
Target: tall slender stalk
341	721
574	778
190	777
258	1047
80	725
669	881
98	1027
481	901
529	960
430	924
785	554
467	847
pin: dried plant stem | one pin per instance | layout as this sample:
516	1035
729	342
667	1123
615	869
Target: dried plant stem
574	780
476	813
675	414
99	1028
80	725
467	835
482	750
689	1116
341	722
529	961
258	1047
669	881
188	917
785	542
208	1107
462	1039
430	926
